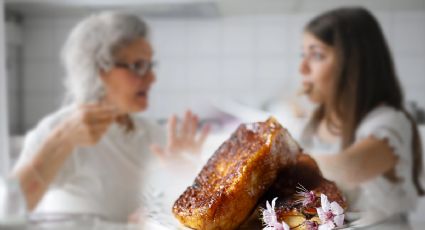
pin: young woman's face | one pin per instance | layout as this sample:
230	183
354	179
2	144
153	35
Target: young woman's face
318	68
126	88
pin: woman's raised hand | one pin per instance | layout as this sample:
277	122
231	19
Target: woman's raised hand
183	137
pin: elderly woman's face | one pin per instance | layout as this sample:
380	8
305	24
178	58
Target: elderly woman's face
128	83
318	68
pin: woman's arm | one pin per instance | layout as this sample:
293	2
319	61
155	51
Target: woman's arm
358	163
36	175
84	127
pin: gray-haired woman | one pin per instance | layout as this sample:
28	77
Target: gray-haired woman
87	157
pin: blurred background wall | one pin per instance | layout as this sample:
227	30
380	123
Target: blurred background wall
206	50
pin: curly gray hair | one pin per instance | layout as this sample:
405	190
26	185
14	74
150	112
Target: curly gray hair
90	48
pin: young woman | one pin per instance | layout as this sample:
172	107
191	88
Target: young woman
360	134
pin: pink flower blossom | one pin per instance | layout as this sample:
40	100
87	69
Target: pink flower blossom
311	225
308	198
331	214
270	218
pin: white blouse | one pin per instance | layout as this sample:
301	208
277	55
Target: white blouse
378	197
105	179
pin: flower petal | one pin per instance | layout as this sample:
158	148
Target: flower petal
285	226
267	217
336	209
321	215
339	220
274	202
278	226
331	224
324	202
324	227
269	208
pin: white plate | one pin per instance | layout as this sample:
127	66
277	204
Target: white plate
157	213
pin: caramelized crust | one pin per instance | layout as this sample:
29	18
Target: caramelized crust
228	187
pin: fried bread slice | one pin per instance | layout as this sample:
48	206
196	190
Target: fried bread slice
227	189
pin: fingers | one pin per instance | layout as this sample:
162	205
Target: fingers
204	134
102	112
99	107
100	128
186	138
184	133
93	114
95	131
99	120
183	137
94	136
94	120
193	126
189	128
172	130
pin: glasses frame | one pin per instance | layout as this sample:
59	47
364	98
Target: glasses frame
140	67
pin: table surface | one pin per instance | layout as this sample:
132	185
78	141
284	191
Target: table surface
96	224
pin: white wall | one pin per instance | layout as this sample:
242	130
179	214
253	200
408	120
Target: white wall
250	58
4	136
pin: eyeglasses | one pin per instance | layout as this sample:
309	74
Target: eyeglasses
140	68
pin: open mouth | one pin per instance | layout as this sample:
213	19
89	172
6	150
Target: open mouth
305	89
142	93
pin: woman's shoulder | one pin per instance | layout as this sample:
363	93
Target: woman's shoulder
35	136
46	125
386	115
385	119
52	119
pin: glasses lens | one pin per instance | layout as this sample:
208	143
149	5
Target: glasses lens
140	67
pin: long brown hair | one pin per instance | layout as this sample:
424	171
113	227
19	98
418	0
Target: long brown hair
365	79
